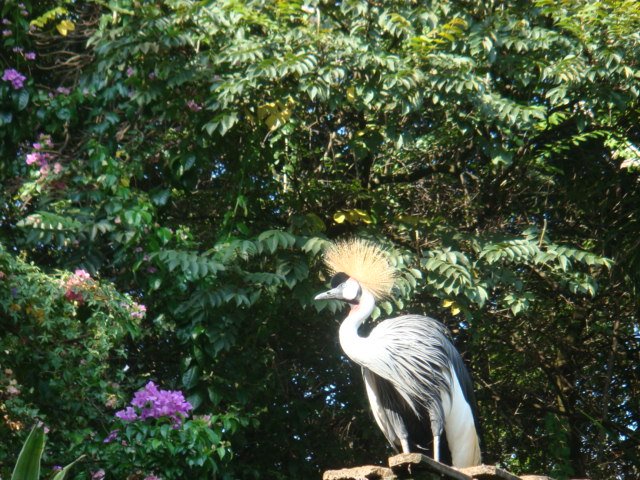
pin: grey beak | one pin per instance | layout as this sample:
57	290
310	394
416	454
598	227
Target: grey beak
334	293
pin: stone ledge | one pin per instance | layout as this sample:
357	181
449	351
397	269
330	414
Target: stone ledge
366	472
488	472
417	466
406	464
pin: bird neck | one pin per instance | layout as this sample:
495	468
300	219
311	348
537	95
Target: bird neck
356	347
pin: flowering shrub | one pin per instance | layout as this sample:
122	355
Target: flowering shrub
154	438
14	411
55	349
42	155
153	403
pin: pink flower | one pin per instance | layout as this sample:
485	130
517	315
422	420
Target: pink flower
82	274
7	33
73	296
30	55
12	390
46	139
98	475
57	168
33	157
139	310
75	284
193	106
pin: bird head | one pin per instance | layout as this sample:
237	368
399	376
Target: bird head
343	287
357	265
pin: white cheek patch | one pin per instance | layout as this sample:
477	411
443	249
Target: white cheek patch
350	289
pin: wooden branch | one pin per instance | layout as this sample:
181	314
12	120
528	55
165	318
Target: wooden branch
415	175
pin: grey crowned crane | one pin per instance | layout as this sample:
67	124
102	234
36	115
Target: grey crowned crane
420	392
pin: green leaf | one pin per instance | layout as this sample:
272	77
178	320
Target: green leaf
190	377
195	399
160	196
64	114
5	118
23	99
28	465
63	473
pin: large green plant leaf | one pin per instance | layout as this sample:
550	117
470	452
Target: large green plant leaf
28	464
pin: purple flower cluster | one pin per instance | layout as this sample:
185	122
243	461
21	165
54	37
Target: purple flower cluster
15	77
150	402
113	434
27	55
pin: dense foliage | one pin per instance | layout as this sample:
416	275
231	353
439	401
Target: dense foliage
198	155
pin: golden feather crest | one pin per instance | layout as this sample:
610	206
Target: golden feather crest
363	261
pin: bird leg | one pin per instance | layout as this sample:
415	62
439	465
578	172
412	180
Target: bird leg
404	442
437	425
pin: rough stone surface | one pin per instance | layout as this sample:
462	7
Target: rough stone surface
413	463
415	466
367	472
488	472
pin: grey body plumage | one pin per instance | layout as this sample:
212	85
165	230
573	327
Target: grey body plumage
411	379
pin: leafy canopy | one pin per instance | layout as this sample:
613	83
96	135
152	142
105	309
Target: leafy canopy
199	155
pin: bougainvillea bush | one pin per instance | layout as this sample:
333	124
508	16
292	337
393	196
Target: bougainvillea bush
62	352
155	436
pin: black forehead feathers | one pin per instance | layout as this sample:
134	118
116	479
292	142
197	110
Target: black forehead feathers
338	278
